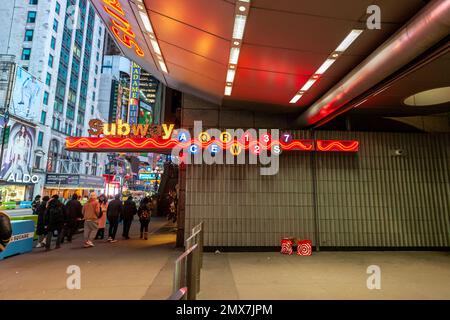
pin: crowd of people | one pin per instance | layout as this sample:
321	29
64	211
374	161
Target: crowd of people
63	220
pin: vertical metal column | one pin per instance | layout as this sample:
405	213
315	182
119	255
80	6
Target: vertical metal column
314	191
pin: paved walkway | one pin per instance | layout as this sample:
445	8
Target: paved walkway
325	275
128	269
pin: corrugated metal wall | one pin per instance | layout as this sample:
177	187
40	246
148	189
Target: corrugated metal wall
369	199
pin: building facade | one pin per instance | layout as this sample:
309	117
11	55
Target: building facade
60	42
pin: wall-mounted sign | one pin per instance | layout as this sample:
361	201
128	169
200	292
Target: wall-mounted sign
18	151
134	94
121	27
25	178
120	128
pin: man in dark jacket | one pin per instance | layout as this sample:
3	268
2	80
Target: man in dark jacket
129	210
54	219
74	215
35	204
114	211
41	229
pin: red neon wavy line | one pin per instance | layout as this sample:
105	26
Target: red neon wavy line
337	144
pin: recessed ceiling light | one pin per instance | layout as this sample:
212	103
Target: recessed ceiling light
239	26
155	47
348	40
163	66
228	91
146	21
232	66
335	55
234	55
241	8
295	98
308	84
324	67
140	7
230	75
236	43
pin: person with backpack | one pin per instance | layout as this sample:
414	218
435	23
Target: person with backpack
54	220
91	213
144	214
129	210
74	215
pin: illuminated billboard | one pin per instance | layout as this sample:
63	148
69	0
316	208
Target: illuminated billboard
26	96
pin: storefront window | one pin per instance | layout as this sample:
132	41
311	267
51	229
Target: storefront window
12	193
94	164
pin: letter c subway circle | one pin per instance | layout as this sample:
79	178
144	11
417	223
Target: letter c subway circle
193	148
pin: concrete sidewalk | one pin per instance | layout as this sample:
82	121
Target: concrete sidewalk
325	275
128	269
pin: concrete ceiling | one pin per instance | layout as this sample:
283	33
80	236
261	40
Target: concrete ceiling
285	41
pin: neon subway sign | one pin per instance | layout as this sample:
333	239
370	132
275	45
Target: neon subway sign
121	27
125	137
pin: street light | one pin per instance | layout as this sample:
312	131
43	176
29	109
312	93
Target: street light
5	120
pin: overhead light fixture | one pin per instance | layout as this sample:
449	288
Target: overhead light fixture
239	26
146	21
241	10
324	67
230	75
349	39
295	98
151	34
308	84
155	46
234	55
163	66
228	91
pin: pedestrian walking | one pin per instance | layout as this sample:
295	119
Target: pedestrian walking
144	213
54	220
102	220
41	229
91	214
129	210
74	216
114	212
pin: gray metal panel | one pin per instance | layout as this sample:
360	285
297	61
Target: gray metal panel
368	199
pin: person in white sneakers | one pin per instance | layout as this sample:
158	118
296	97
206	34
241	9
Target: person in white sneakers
91	214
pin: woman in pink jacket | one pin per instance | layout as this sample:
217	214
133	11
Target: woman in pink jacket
102	221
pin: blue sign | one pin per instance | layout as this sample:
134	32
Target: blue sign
21	239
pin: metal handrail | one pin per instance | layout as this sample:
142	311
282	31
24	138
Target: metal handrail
180	294
188	265
185	272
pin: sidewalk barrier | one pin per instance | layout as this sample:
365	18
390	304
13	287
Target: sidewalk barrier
184	275
189	264
199	228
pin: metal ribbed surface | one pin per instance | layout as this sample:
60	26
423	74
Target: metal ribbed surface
372	198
